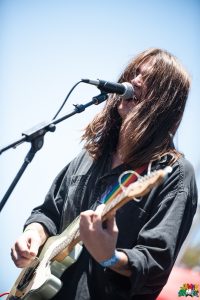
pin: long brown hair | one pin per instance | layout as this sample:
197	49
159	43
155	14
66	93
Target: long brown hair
149	127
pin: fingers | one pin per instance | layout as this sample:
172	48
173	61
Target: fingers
111	225
86	223
99	240
22	248
19	260
92	220
97	217
25	249
100	208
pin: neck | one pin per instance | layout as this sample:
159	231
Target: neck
117	158
117	155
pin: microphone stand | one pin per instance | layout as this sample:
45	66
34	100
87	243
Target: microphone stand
35	136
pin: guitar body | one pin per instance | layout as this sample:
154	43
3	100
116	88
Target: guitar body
40	280
35	283
47	291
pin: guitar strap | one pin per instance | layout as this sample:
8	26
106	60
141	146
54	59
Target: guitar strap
116	189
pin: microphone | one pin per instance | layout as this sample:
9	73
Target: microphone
125	89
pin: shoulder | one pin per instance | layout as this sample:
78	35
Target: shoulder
81	163
185	171
181	181
179	187
83	156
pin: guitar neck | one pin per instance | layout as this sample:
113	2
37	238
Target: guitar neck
65	241
114	205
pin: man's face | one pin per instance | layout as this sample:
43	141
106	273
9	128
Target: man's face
127	106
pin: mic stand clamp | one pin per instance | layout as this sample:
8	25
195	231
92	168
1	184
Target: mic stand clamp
35	136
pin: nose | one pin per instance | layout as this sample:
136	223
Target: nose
137	80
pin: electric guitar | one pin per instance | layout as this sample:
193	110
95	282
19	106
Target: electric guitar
41	279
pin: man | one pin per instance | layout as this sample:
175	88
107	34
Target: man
131	254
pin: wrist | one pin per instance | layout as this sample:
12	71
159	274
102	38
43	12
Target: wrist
112	261
39	230
27	229
119	263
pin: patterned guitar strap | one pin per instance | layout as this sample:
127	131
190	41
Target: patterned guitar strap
125	179
131	176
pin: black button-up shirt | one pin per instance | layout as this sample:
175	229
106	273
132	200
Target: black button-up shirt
151	231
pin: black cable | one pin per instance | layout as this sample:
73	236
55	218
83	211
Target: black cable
66	99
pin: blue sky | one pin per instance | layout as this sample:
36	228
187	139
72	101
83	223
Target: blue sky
46	47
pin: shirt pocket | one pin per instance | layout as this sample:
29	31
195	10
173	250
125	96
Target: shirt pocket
73	199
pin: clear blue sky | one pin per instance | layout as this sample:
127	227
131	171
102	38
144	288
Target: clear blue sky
46	47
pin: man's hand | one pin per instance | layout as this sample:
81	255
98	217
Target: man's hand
98	239
27	245
101	240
